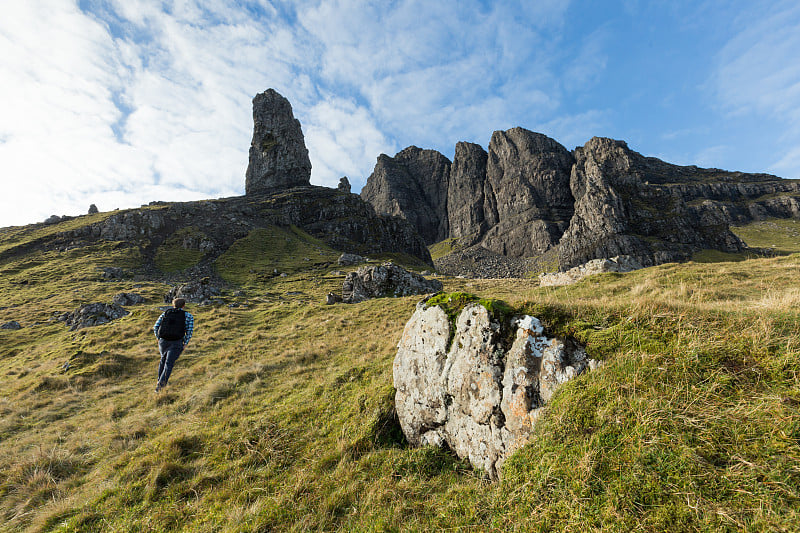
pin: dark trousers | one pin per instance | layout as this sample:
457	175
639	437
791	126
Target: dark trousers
170	351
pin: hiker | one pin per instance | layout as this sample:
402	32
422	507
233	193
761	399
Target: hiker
173	330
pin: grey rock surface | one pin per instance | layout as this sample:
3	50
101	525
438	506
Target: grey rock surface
412	185
278	153
195	291
344	184
385	280
620	263
350	259
475	395
13	324
530	199
96	314
127	298
93	209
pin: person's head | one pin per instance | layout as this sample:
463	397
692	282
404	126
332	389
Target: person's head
178	303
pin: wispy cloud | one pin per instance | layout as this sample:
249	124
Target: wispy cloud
758	74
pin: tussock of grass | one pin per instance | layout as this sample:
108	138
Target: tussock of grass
280	416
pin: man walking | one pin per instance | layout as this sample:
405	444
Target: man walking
173	330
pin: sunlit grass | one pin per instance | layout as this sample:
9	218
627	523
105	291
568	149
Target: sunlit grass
279	414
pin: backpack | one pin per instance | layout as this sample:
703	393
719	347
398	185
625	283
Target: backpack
173	325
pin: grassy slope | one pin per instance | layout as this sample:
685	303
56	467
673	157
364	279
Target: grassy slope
279	413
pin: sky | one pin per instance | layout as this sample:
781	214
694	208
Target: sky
122	102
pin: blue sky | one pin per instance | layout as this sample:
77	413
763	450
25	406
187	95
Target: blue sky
121	102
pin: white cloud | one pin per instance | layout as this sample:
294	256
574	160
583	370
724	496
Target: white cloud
758	75
130	101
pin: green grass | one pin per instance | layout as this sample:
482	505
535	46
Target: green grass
780	235
266	251
180	251
442	248
279	415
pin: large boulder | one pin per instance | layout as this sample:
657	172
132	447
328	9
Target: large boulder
470	392
96	314
278	153
385	280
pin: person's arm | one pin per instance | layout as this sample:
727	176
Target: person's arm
189	328
157	324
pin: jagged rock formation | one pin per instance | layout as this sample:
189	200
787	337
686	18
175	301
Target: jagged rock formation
385	280
529	197
344	184
412	185
479	397
278	153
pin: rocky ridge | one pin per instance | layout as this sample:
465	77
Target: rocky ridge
530	198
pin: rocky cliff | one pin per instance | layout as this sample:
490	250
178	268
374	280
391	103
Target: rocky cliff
278	153
530	198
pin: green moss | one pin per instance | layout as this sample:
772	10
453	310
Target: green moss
180	251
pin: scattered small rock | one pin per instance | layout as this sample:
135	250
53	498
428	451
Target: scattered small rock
11	325
127	298
332	298
112	273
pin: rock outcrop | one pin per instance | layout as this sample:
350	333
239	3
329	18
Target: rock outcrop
278	153
195	291
13	324
95	314
385	280
620	263
412	185
127	298
470	391
530	198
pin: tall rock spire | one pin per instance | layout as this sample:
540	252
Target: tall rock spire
278	153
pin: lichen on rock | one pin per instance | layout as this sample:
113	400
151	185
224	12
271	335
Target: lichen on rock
475	393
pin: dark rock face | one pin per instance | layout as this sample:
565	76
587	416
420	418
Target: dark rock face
385	280
344	184
535	203
278	154
528	201
412	185
465	195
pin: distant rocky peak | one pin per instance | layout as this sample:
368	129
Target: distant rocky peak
278	153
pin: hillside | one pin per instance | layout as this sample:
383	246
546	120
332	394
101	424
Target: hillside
279	415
